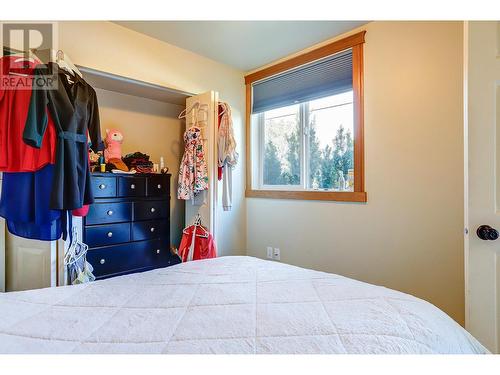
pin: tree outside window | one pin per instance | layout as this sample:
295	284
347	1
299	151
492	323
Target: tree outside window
312	139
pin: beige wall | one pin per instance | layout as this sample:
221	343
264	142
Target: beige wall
112	48
409	236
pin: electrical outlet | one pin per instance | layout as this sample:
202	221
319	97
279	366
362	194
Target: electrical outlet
269	252
276	253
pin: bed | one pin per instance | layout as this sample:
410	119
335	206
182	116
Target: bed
227	305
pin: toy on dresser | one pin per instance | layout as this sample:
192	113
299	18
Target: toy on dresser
136	162
113	151
113	140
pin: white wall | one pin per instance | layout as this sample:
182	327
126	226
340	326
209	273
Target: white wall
112	48
409	235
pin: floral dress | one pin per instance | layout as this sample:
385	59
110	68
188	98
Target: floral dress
193	173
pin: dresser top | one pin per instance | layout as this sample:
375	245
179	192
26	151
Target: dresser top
109	174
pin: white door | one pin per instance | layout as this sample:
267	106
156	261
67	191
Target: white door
203	109
28	263
25	264
482	256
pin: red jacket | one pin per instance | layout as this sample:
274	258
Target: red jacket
15	96
202	247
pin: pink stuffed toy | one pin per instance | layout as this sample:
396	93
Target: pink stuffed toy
114	140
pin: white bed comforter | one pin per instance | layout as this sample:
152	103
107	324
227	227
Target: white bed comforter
227	305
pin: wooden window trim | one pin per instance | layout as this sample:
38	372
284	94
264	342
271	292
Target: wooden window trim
355	42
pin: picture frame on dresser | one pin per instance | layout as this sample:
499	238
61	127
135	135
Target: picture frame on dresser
127	228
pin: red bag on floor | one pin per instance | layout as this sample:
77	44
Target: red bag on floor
197	243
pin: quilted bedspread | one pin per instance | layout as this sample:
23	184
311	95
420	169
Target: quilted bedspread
227	305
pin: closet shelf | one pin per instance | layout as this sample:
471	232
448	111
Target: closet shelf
130	86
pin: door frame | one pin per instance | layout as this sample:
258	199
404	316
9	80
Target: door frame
466	168
481	125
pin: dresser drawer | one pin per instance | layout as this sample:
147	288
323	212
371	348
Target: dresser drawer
161	257
127	257
104	187
101	235
131	186
103	213
158	186
143	230
150	210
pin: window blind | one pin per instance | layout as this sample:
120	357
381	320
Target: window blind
325	77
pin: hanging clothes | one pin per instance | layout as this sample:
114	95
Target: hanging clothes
197	243
25	205
227	157
193	172
24	201
73	106
15	95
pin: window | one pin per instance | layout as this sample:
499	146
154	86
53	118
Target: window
308	146
305	126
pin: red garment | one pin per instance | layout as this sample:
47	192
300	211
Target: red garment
81	211
203	247
15	155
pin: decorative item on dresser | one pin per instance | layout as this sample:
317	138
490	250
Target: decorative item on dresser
127	229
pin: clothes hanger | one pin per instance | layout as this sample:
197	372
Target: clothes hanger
67	67
65	63
185	111
195	108
31	59
76	249
224	108
27	57
197	223
201	124
203	235
194	115
58	57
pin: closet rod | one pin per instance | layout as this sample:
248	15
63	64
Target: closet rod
126	85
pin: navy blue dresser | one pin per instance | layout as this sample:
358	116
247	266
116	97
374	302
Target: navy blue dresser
127	229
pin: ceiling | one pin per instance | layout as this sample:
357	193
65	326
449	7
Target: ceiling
244	45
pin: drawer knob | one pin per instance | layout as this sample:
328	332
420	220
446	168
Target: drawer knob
102	261
110	234
102	186
132	186
152	229
110	212
153	209
158	186
157	251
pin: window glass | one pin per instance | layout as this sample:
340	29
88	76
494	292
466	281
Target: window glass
282	146
330	155
309	146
